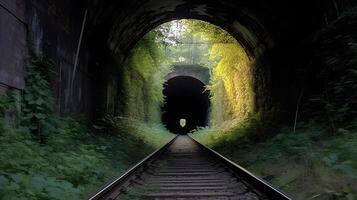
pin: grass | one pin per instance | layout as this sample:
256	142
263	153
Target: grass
75	160
308	164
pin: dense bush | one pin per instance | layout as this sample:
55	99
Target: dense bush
332	69
45	156
74	161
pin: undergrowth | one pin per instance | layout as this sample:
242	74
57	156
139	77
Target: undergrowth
45	156
75	160
308	164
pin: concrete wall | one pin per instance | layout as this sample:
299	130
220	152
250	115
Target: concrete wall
13	43
51	28
54	30
48	28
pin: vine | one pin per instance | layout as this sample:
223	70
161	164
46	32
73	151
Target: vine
38	102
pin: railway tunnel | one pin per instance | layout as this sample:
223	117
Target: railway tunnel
302	56
89	41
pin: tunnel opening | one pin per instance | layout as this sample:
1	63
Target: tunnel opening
193	49
186	104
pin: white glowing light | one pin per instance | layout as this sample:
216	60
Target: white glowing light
182	122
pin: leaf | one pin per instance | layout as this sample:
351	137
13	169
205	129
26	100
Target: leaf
54	192
331	159
350	196
40	116
37	183
347	169
3	181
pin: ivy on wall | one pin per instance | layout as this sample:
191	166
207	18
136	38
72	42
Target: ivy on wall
144	76
232	95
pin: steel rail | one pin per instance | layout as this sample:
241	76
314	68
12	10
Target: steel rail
107	189
260	185
247	176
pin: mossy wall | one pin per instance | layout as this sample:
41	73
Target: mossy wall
232	84
143	80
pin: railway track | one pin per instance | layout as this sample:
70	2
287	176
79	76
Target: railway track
185	169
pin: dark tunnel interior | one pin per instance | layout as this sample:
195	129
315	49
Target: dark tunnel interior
185	98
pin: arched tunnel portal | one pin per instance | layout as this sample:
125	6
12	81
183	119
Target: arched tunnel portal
276	36
196	71
186	98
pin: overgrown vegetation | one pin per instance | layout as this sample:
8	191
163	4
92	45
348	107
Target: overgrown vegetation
144	76
308	164
232	95
335	61
45	156
317	159
190	42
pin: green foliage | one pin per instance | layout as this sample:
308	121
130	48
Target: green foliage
309	163
253	128
231	87
33	171
306	164
51	157
190	45
335	57
189	42
233	75
143	79
211	32
6	103
38	101
75	160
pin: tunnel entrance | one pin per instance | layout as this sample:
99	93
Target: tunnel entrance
186	104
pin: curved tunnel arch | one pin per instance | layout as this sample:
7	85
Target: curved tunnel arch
199	72
122	30
185	98
270	31
248	46
139	17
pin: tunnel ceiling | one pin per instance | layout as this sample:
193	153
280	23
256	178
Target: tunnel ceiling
257	24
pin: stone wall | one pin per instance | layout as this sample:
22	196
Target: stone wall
51	29
13	43
54	31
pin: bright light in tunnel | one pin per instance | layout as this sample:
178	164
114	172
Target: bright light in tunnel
182	122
